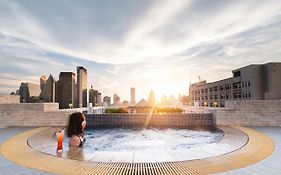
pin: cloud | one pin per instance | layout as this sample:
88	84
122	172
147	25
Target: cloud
136	43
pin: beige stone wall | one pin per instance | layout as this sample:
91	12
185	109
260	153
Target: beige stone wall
33	114
243	113
9	99
250	113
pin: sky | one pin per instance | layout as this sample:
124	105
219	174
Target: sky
161	45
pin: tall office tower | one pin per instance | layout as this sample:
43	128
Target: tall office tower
66	90
58	92
95	97
151	99
43	80
48	88
29	93
116	100
92	96
99	101
107	100
81	87
133	96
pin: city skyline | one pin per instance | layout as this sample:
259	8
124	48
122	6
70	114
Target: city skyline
131	44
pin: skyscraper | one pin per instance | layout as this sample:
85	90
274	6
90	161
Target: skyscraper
92	96
48	88
43	80
95	97
66	90
99	101
81	87
116	100
29	93
107	100
151	99
133	96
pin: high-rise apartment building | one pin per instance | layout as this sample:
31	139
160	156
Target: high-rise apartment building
81	87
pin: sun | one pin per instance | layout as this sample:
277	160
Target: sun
161	89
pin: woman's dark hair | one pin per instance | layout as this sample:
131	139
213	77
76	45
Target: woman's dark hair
75	124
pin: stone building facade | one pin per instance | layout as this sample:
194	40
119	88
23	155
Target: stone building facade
252	82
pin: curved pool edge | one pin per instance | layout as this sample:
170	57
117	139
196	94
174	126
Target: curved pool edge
258	148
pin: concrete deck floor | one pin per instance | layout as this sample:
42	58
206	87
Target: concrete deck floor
271	165
10	168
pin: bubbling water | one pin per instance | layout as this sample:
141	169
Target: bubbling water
148	139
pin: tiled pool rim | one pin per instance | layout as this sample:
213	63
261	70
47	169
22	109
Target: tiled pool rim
258	148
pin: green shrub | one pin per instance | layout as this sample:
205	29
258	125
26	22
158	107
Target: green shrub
115	110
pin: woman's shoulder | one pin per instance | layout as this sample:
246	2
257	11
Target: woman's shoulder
74	140
75	136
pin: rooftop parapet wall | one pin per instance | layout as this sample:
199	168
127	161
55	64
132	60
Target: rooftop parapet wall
32	114
242	113
246	113
9	99
30	106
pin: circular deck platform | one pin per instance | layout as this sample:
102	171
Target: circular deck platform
16	149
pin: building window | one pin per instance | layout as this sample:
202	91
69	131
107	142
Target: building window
237	85
237	74
249	84
249	95
237	95
227	96
228	86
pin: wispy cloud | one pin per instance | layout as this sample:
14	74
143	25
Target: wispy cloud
136	43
